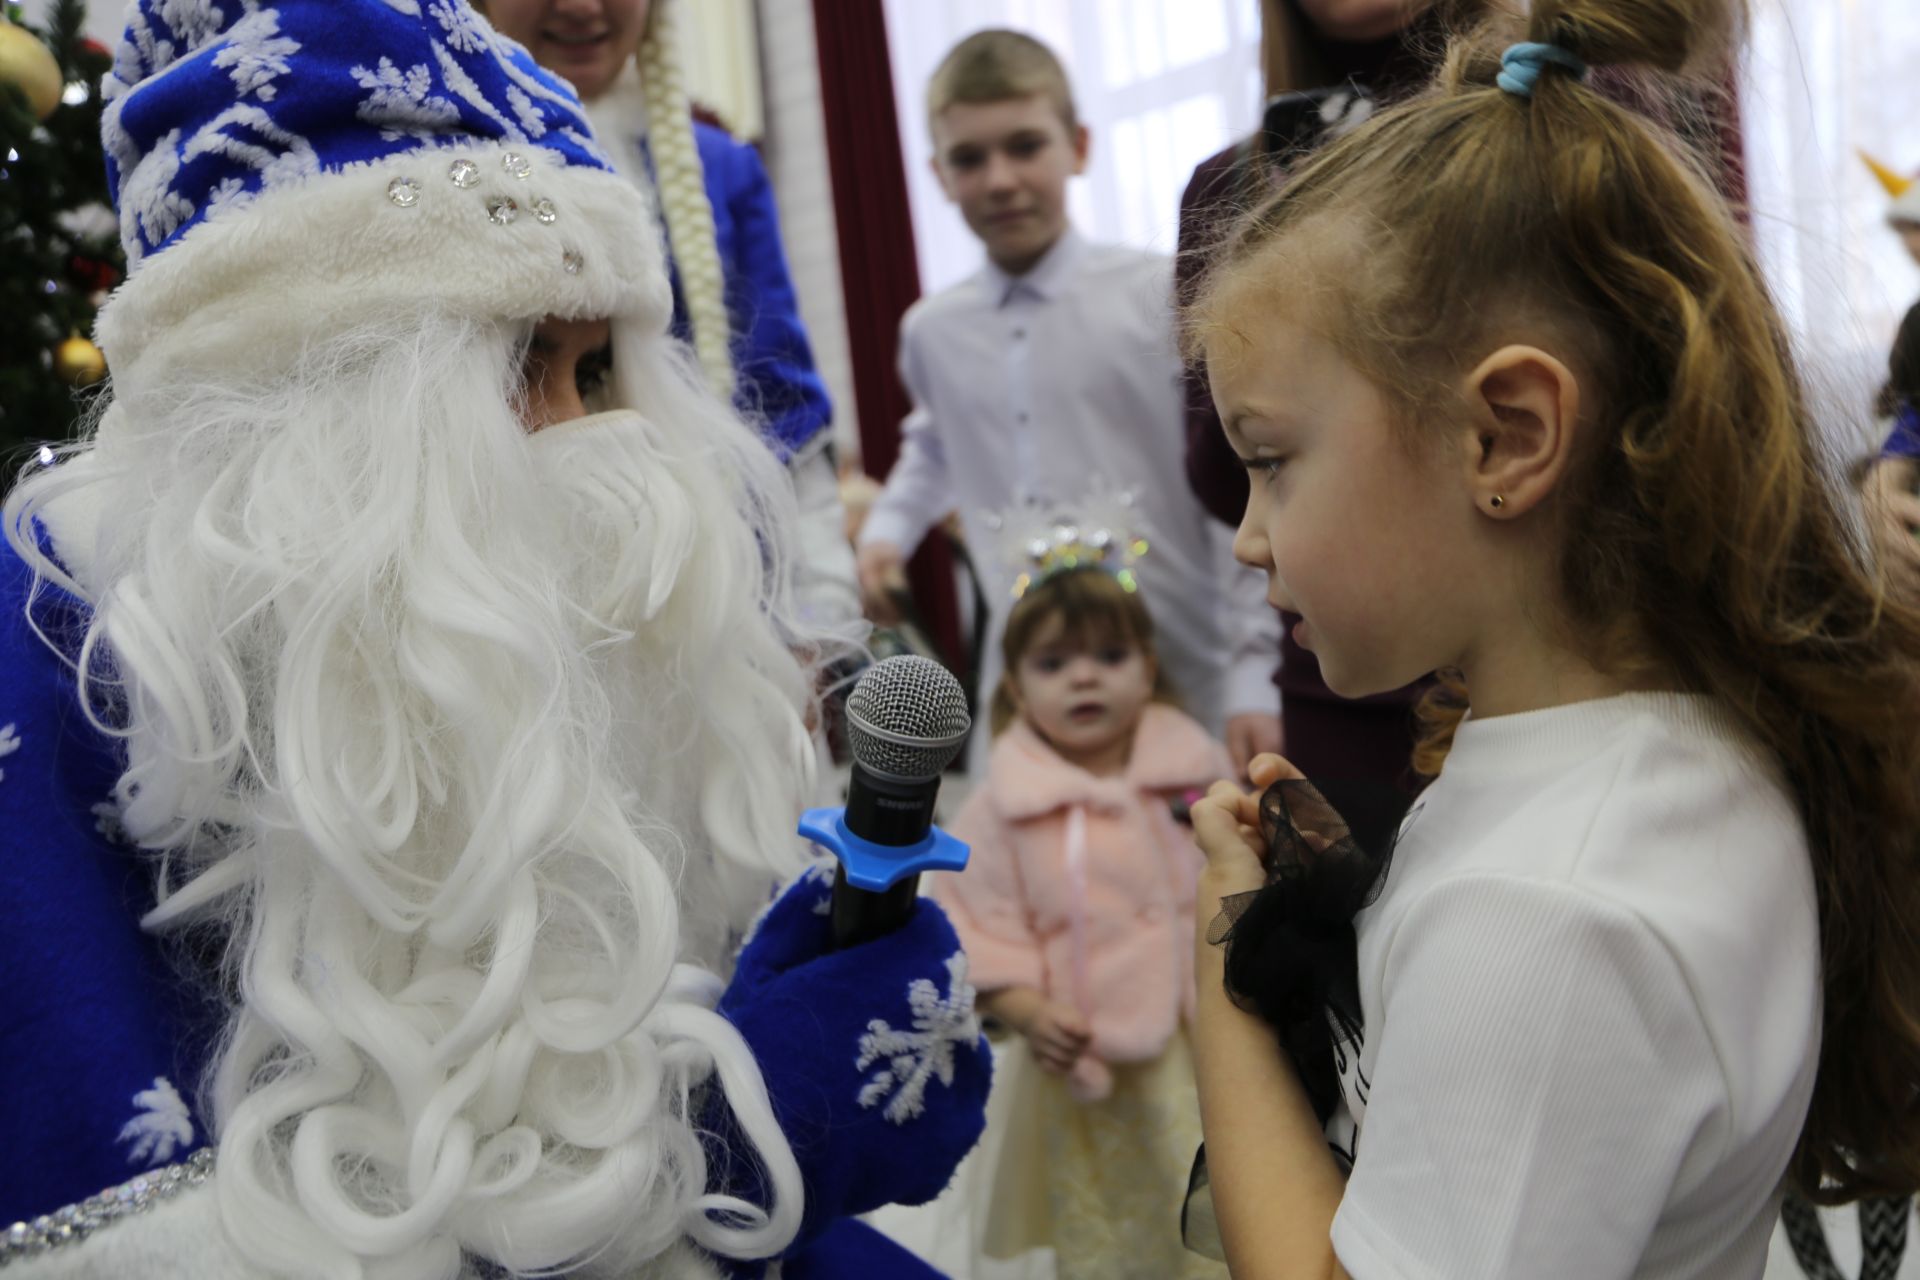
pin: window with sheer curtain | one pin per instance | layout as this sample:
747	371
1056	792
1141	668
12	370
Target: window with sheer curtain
1161	84
1825	80
1164	83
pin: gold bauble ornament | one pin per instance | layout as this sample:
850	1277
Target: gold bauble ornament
78	363
29	65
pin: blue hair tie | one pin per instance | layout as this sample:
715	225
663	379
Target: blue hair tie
1521	65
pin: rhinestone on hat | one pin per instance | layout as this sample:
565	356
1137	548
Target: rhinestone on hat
572	262
404	192
501	211
543	209
516	165
464	173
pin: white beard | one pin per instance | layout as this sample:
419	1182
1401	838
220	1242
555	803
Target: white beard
631	542
470	739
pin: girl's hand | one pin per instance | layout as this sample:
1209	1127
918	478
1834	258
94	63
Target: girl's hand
1226	825
1058	1034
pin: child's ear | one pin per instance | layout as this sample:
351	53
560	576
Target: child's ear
1523	407
939	173
1082	139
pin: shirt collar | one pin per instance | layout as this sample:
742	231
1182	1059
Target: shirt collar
1045	279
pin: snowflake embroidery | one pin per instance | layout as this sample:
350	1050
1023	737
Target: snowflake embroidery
586	144
229	193
925	1053
160	1126
510	56
194	22
107	821
403	103
148	200
523	109
119	146
257	53
9	743
141	52
464	29
278	155
821	875
461	85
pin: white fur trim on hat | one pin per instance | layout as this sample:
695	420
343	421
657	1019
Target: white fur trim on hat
400	235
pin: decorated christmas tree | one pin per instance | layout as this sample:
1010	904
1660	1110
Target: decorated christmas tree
61	245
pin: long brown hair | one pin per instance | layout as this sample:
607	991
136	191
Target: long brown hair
1706	537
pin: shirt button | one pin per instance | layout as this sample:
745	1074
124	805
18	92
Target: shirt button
1019	333
1021	417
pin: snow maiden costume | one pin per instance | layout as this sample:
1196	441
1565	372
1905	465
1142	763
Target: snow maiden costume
385	788
733	298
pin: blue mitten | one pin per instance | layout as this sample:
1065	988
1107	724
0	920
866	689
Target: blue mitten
873	1056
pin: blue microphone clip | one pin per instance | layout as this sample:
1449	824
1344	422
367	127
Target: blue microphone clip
878	867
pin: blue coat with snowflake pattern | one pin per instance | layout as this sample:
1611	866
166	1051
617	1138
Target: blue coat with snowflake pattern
873	1060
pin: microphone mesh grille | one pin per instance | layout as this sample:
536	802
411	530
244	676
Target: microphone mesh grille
911	698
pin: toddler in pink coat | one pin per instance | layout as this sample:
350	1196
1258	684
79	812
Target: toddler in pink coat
1076	912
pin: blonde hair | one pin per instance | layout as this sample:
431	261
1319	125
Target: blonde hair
997	64
1703	538
681	182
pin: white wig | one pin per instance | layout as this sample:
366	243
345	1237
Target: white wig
442	724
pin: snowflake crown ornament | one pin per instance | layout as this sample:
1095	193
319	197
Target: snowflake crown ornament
1038	539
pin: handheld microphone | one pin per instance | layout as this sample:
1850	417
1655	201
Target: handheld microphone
906	720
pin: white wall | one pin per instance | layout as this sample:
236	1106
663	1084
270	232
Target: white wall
1822	80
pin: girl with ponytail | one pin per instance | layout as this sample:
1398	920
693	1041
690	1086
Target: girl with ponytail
1642	958
734	302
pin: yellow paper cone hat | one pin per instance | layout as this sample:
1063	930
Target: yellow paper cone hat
1905	191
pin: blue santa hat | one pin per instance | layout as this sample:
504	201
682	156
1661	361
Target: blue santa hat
322	159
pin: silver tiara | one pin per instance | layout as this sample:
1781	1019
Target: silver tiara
1040	538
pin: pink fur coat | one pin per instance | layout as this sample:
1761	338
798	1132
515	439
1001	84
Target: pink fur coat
1082	887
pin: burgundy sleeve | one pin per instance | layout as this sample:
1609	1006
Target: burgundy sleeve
1207	207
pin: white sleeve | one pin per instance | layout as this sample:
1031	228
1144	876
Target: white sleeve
918	493
826	587
1253	633
1541	1075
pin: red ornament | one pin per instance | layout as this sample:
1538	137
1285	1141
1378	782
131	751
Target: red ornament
92	274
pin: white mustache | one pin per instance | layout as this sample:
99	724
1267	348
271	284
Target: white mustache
619	501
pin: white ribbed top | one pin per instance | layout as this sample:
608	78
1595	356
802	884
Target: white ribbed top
1592	1005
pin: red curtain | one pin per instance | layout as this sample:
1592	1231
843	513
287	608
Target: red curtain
879	272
